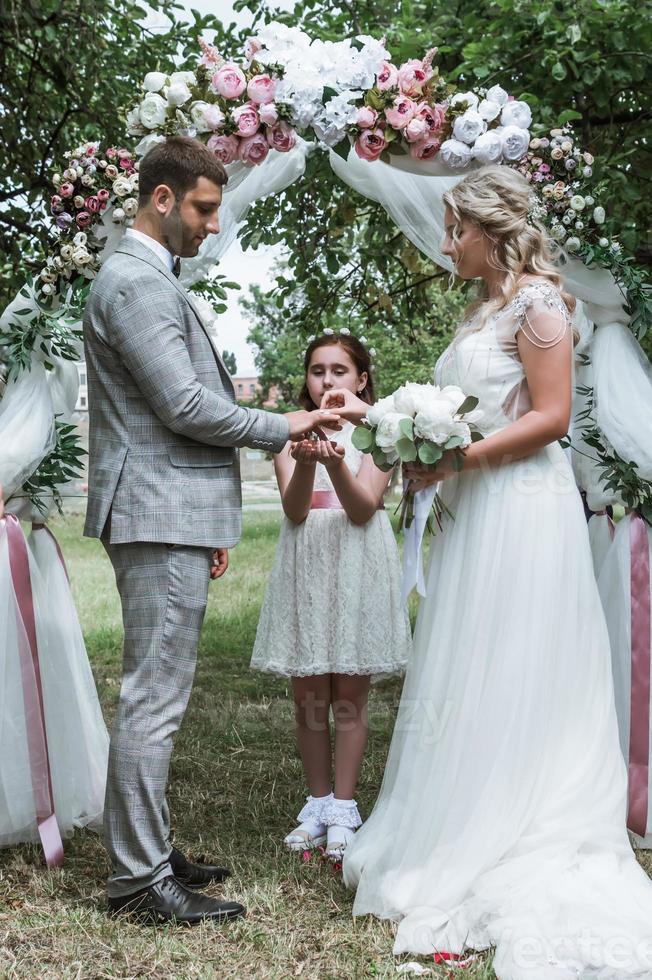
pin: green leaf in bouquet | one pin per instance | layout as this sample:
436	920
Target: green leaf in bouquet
469	403
407	428
454	442
429	454
406	450
363	438
381	461
458	460
476	436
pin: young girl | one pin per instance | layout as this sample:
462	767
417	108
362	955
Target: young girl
332	615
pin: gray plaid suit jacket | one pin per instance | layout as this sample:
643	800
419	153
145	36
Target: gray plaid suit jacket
163	420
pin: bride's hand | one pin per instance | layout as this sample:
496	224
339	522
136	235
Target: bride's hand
345	404
421	476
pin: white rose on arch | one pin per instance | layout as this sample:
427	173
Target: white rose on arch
153	111
469	126
516	114
489	110
498	95
201	112
134	125
469	98
380	409
515	142
488	147
455	154
177	93
388	431
154	81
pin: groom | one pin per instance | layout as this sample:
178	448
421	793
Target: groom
165	498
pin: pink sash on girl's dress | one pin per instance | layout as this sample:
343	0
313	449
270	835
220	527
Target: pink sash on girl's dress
37	743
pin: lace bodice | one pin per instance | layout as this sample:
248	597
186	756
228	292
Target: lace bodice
352	457
484	360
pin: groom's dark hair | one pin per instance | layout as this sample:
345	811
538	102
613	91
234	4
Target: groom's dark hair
179	162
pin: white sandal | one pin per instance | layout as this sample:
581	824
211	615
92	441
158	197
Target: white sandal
342	818
311	832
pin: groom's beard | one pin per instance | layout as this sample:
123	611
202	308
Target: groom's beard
179	239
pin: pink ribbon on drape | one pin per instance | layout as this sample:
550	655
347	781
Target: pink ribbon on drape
37	743
639	725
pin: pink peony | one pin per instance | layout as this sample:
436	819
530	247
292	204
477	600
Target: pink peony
416	130
268	114
387	77
246	119
251	48
92	204
225	148
399	115
370	144
103	195
366	118
412	76
83	219
111	153
261	89
434	115
253	150
125	163
229	81
67	190
282	137
426	149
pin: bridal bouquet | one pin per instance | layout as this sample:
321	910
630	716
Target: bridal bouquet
419	422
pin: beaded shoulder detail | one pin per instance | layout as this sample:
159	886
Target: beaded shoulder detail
532	292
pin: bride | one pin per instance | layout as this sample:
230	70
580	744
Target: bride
501	817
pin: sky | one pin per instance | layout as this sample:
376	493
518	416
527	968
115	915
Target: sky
245	268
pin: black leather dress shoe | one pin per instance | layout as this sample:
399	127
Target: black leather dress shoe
195	875
167	900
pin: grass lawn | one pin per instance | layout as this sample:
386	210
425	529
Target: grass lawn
236	786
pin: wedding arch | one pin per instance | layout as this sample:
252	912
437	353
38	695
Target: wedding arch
399	135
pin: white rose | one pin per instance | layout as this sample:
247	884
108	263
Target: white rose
516	114
489	110
206	310
559	232
130	206
186	77
488	147
452	396
177	93
78	201
380	409
603	242
497	94
198	112
118	215
134	125
121	186
435	423
468	127
154	81
577	202
56	179
515	142
66	252
152	111
412	397
80	239
599	215
461	97
86	180
389	430
455	154
572	244
81	257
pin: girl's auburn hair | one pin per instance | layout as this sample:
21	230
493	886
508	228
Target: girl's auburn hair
358	354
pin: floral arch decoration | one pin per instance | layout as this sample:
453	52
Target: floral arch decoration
290	96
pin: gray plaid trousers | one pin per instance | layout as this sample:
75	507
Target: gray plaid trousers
163	589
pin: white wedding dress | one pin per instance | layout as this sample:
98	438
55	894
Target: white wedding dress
501	818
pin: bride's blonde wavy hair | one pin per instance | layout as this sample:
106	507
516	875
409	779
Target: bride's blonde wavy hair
498	200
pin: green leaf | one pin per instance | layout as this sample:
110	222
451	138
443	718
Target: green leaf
343	148
567	116
469	403
406	450
429	454
380	460
458	461
558	72
363	438
407	428
454	442
332	263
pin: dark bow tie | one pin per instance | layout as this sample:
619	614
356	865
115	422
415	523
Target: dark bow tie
176	268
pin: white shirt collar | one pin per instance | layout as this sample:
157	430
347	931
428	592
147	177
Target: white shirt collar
161	251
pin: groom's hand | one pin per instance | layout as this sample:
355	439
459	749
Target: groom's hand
219	562
301	423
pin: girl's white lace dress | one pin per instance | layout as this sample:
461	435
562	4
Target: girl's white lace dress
501	818
333	603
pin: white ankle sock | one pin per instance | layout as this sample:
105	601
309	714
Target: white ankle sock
311	816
